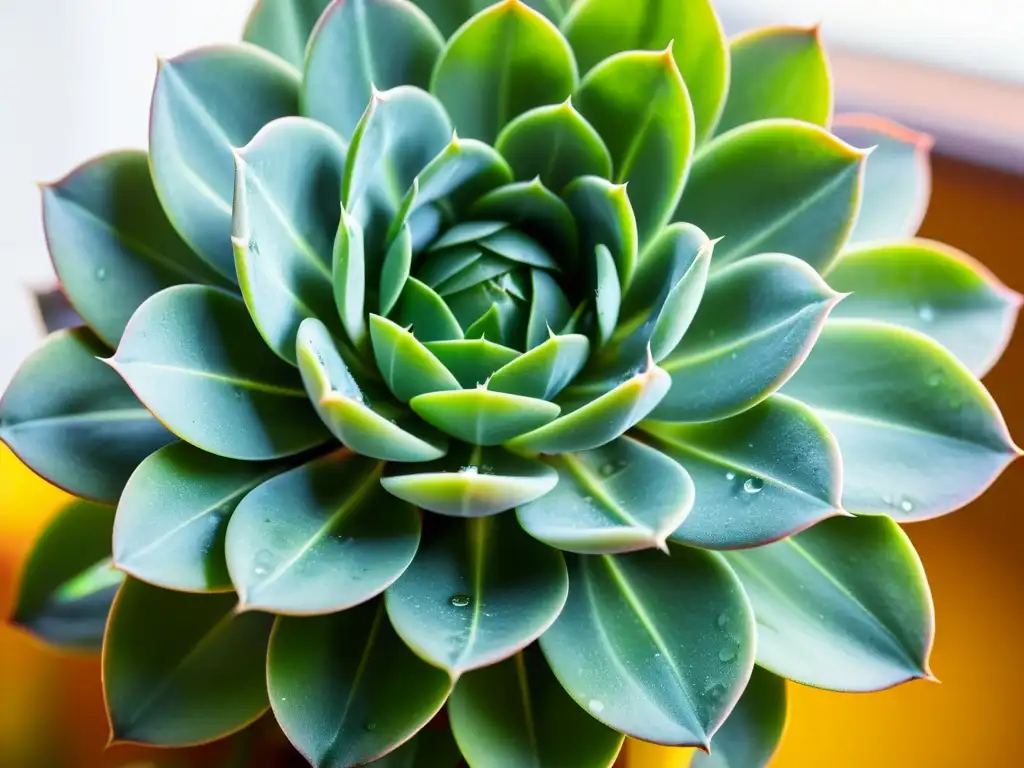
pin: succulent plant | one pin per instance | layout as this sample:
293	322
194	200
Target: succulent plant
544	367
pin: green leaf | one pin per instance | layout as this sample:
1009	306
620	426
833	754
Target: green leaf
206	103
174	512
554	143
897	178
605	217
408	367
395	271
515	714
638	103
111	244
477	594
765	474
756	323
656	647
427	313
778	72
751	735
68	581
449	15
73	421
375	428
361	45
621	497
482	417
608	295
549	308
346	690
598	421
775	186
598	29
287	183
181	669
467	232
506	60
284	26
349	278
320	538
472	361
931	288
536	211
843	605
545	370
430	748
193	357
516	246
887	393
471	482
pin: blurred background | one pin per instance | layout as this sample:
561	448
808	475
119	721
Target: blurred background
75	80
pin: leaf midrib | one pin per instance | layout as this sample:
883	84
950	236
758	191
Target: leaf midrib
233	381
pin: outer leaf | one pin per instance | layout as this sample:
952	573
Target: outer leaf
844	605
320	538
638	103
74	422
284	26
482	417
934	289
775	186
194	358
621	497
474	482
408	367
68	582
555	144
756	324
897	179
751	735
656	647
778	72
545	370
431	748
605	217
287	186
449	15
111	243
765	474
508	59
887	393
598	29
207	102
346	690
515	714
359	45
535	210
478	594
182	669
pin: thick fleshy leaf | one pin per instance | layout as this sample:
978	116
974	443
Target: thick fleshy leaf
889	394
375	428
471	482
778	72
765	474
478	594
173	515
345	689
430	748
69	581
751	735
206	103
598	29
554	143
775	186
508	59
638	103
111	244
287	187
192	355
756	323
284	26
934	289
535	210
621	497
348	275
515	714
897	179
395	270
449	15
515	246
472	361
360	45
604	215
656	647
482	417
607	294
320	538
73	421
181	669
549	308
427	313
843	605
545	370
409	368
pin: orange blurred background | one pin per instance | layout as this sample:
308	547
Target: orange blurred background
51	711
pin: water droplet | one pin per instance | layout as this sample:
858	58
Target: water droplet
730	475
887	499
101	274
264	562
723	620
935	379
906	505
733	356
607	470
715	692
926	313
595	706
461	601
588	500
727	654
369	725
753	485
469	470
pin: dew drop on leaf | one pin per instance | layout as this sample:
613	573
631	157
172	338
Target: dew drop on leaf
727	654
264	562
906	505
753	485
730	475
595	706
926	313
101	274
935	379
461	601
369	726
723	620
607	470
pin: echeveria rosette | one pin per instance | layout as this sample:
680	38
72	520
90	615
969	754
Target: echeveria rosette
552	363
